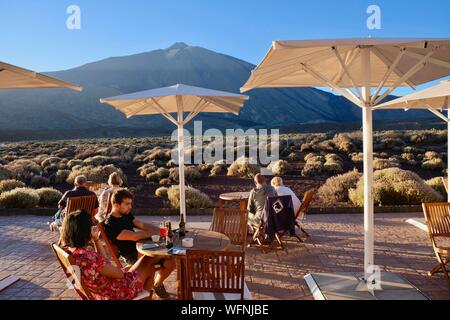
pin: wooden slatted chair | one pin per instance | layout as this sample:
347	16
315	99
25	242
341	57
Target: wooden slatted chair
437	216
71	270
216	275
87	203
232	223
300	215
113	252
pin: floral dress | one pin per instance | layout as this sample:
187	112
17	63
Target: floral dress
105	288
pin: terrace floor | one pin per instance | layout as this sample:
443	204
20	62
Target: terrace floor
336	245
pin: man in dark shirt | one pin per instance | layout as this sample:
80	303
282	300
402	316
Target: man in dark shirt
79	190
120	230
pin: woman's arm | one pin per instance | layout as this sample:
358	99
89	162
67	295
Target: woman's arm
111	271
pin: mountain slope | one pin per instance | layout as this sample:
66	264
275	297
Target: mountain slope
60	109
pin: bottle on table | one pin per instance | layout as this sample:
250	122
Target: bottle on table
169	238
182	227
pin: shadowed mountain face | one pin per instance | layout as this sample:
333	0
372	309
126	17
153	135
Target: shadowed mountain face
60	109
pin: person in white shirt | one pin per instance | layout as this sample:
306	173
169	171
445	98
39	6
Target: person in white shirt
282	190
114	182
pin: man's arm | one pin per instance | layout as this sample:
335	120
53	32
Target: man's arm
141	225
127	235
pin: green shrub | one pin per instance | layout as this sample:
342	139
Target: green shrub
22	198
280	167
48	197
395	186
434	164
8	185
194	198
242	168
437	184
161	192
335	190
380	164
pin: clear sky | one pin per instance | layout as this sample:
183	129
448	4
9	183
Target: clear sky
34	33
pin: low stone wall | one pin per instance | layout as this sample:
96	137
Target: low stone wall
205	212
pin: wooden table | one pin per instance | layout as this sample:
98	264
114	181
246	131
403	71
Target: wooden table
242	197
203	240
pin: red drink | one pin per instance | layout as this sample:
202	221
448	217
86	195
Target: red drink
163	231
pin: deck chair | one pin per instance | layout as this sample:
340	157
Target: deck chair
301	213
87	203
233	224
112	250
437	216
70	270
216	276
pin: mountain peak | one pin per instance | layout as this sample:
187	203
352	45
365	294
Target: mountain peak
177	46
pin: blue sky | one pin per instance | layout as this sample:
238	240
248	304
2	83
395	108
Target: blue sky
34	33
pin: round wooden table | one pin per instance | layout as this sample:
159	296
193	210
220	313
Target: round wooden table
242	197
203	240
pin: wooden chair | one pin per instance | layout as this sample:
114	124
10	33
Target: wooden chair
300	215
437	216
113	252
233	224
216	276
94	186
71	270
87	203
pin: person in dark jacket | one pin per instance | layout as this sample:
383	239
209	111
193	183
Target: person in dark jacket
257	199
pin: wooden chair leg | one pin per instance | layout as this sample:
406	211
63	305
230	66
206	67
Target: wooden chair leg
279	240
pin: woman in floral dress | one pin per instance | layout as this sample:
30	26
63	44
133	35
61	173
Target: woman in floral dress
105	281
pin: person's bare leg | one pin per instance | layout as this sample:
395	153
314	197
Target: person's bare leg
146	271
163	273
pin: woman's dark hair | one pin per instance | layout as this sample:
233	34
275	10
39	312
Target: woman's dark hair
76	229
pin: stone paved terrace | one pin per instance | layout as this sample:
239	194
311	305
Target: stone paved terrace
336	245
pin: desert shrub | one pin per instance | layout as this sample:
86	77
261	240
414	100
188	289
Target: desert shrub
336	188
293	157
312	168
171	164
219	167
395	186
48	197
163	172
96	174
434	164
5	174
309	156
333	167
23	169
8	185
153	177
146	169
161	192
165	182
99	161
430	155
357	157
191	173
50	161
21	198
61	176
205	167
280	167
407	156
39	182
344	143
432	136
388	143
242	168
380	164
437	184
324	146
194	198
306	147
72	163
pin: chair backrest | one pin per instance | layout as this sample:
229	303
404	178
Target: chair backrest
307	198
113	252
279	215
87	203
109	204
437	216
232	223
71	270
216	272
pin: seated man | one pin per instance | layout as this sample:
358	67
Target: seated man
119	228
257	199
79	190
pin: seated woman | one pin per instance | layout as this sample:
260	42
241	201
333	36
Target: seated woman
106	281
114	182
282	190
